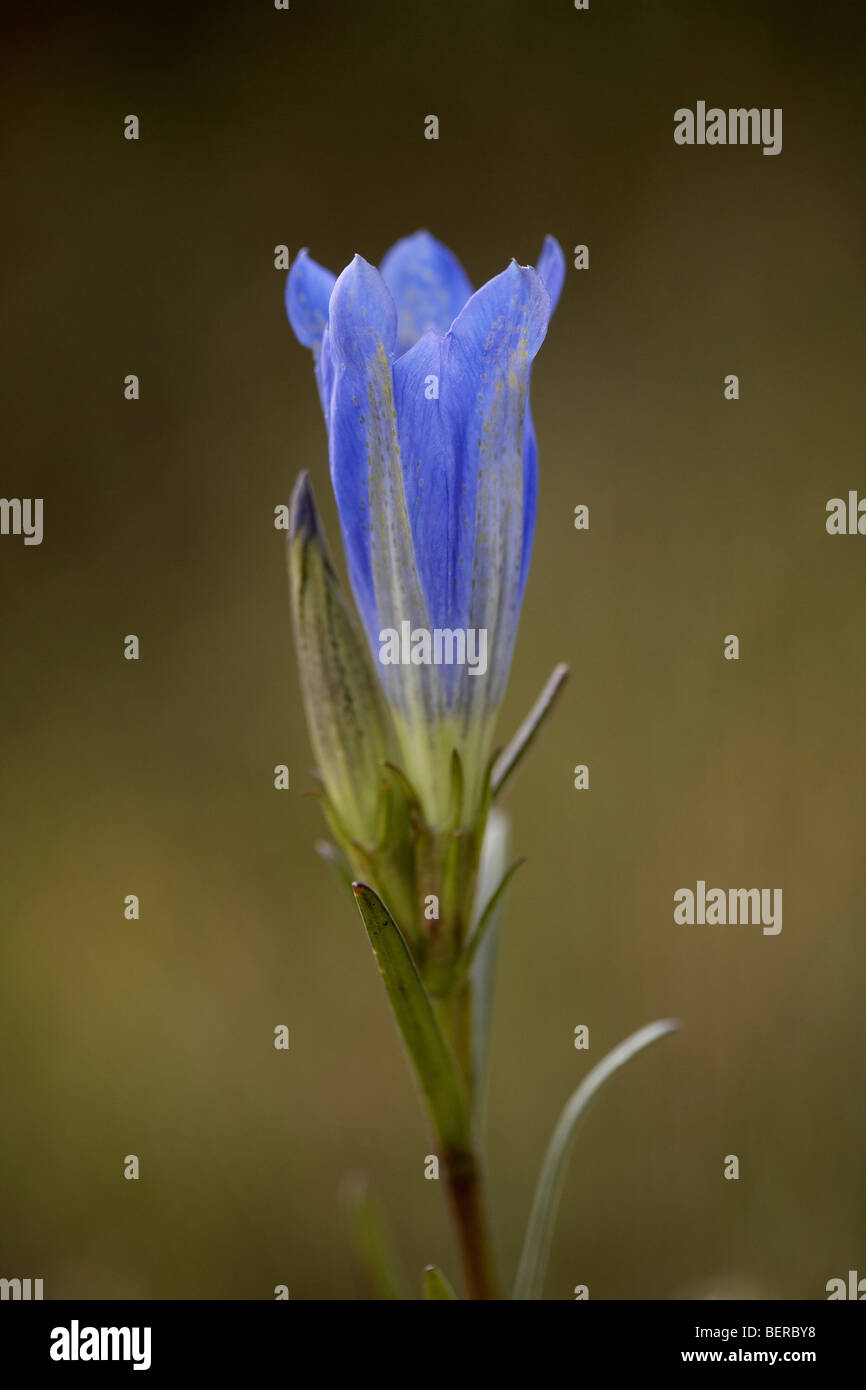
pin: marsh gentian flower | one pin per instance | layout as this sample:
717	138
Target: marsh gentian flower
425	391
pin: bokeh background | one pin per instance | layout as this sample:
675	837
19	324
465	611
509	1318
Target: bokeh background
707	517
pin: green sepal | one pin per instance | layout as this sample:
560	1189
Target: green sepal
455	810
412	798
343	702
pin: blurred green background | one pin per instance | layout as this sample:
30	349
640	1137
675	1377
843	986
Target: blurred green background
707	517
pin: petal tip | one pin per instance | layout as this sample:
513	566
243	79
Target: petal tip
362	316
307	294
551	268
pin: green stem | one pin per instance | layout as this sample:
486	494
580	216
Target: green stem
465	1170
462	1035
468	1209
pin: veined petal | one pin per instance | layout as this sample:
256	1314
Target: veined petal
325	375
430	445
428	284
530	495
462	447
551	268
308	292
368	478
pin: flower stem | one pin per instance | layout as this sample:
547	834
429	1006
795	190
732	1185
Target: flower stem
466	1192
465	1170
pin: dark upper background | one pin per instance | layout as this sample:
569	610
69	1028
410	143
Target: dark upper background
260	127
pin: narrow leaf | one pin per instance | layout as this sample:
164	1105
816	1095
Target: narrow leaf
536	1246
494	853
436	1286
378	1263
434	1062
488	916
510	757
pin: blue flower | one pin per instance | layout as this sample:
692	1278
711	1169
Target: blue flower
425	391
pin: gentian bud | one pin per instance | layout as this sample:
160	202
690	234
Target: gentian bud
342	698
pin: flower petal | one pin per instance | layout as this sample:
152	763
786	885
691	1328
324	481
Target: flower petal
308	292
530	495
429	286
366	469
463	463
551	268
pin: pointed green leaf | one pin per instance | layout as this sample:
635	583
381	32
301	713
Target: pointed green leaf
536	1246
434	1062
494	852
377	1258
488	916
436	1286
507	761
